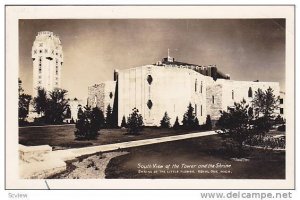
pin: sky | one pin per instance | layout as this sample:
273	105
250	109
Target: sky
247	49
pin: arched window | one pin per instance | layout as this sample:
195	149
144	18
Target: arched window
250	92
213	99
232	94
196	85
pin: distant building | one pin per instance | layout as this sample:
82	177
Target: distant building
73	107
47	56
169	86
101	95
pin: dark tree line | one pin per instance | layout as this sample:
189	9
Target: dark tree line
24	102
51	107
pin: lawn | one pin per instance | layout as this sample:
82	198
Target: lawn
260	164
61	137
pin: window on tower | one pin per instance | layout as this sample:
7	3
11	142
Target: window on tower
41	45
213	99
196	85
40	51
46	50
35	52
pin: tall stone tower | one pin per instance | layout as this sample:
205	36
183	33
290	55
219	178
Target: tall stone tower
47	59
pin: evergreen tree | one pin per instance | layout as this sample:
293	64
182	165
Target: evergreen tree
88	126
68	112
265	104
176	124
24	101
165	122
41	101
98	117
208	124
56	106
123	123
134	122
188	121
109	117
235	125
79	112
196	123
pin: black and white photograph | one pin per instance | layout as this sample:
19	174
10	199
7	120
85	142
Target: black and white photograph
153	98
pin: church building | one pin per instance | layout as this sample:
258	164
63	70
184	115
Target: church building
170	86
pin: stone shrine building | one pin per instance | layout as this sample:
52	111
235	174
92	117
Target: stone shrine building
169	86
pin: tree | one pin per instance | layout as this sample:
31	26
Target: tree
279	120
235	124
265	104
24	101
196	123
88	126
208	124
189	118
98	117
68	112
79	112
134	122
40	102
165	122
176	124
109	117
123	123
56	106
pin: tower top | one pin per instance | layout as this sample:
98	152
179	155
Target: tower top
169	58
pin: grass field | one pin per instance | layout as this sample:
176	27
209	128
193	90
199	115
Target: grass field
197	151
61	137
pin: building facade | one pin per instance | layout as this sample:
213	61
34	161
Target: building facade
170	86
47	56
101	95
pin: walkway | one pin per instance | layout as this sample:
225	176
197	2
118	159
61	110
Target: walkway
40	162
69	154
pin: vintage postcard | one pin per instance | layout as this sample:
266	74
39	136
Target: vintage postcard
150	97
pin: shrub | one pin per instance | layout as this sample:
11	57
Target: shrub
235	126
134	122
123	123
165	122
189	119
176	124
281	128
208	124
87	125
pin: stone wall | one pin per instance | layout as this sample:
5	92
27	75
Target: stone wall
102	95
226	92
214	100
